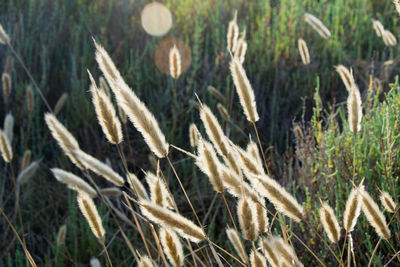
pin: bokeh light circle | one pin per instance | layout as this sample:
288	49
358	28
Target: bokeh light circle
156	19
161	56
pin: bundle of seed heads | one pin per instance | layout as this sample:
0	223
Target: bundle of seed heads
106	114
388	202
175	63
285	252
158	191
247	215
74	182
236	186
374	215
303	50
329	222
64	138
88	209
172	247
234	238
232	34
257	259
317	25
244	90
172	220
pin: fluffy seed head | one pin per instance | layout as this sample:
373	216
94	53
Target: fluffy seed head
172	247
74	182
137	186
29	99
257	259
346	76
374	215
329	222
208	163
216	93
262	218
60	103
26	159
99	167
175	62
9	127
104	86
143	120
378	27
106	114
64	138
4	39
244	90
172	220
193	135
241	48
352	210
285	252
397	5
271	252
354	109
303	50
246	211
110	192
236	186
145	261
6	81
5	147
234	238
232	34
62	233
223	111
387	202
106	65
248	164
317	25
27	173
252	150
158	191
389	39
88	209
277	195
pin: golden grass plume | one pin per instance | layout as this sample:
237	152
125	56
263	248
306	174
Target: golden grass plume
158	191
234	238
62	233
246	211
5	148
137	186
232	34
193	135
89	211
145	261
270	252
8	127
241	48
347	76
354	109
317	25
329	222
285	252
303	50
389	39
352	209
175	62
26	159
4	39
74	182
30	101
257	259
378	27
6	82
388	202
172	247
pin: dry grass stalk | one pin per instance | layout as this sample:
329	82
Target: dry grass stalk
262	218
60	103
5	147
389	39
26	159
145	261
6	81
62	233
94	262
352	210
223	111
277	195
270	252
244	90
317	25
99	167
74	182
172	220
158	191
208	163
346	76
9	127
175	62
329	222
64	138
378	27
247	215
257	259
193	135
216	93
142	119
4	39
106	114
88	209
236	186
234	238
137	186
303	50
241	48
285	251
110	192
374	215
388	202
354	109
29	99
172	247
232	34
27	173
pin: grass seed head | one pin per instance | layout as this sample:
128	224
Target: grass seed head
4	39
74	182
388	202
172	247
5	147
89	211
303	50
175	62
247	214
317	25
329	222
234	238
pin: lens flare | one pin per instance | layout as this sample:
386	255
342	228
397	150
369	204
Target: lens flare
156	19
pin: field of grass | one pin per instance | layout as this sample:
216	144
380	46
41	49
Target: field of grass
303	126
